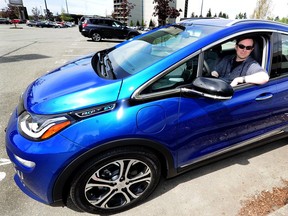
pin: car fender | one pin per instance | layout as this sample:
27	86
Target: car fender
61	186
93	30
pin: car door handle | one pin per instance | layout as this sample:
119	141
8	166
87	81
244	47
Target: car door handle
264	96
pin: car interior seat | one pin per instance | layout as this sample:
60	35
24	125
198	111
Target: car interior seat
257	53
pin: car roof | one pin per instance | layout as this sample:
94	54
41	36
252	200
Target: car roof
221	22
205	21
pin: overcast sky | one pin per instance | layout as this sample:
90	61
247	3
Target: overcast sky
105	7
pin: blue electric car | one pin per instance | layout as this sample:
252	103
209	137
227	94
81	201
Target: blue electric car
98	133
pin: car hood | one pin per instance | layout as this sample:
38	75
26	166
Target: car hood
71	87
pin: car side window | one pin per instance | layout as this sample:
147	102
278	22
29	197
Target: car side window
109	22
214	55
280	56
116	24
183	74
284	55
94	21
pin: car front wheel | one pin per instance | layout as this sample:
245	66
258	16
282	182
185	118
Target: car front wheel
116	181
130	36
96	37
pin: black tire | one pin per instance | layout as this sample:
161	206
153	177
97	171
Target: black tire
96	37
116	181
130	36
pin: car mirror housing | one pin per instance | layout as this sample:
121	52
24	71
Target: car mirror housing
210	88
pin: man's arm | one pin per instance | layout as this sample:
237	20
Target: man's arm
256	78
255	75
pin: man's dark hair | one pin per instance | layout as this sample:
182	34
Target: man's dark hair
244	38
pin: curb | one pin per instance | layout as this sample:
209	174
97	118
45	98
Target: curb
280	212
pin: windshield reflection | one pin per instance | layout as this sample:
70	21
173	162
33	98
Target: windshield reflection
143	52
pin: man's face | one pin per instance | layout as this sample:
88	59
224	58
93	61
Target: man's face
244	49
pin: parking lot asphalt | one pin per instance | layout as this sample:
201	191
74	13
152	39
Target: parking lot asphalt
280	212
221	188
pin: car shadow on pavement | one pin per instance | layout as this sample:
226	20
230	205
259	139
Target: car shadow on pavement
241	159
17	58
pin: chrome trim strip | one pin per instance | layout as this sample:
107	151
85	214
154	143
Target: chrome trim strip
235	146
237	21
156	94
204	94
264	97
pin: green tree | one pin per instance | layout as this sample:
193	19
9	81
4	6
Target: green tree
284	20
245	15
36	13
151	24
48	14
223	15
262	10
163	10
11	12
209	14
241	16
65	17
125	10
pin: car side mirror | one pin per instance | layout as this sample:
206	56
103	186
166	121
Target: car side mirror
209	87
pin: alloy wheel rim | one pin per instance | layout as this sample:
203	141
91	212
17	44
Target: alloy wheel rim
96	37
118	183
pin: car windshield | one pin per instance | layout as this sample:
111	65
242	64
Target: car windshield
141	53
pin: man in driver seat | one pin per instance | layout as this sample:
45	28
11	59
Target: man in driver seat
241	68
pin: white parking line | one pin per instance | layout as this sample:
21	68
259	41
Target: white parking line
2	176
4	161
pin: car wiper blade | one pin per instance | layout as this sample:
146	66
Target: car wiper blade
108	68
179	26
104	66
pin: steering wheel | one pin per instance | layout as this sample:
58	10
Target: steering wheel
206	69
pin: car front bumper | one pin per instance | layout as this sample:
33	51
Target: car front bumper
38	164
85	33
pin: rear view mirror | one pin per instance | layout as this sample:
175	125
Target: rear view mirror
210	87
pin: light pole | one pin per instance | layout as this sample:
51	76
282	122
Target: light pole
45	5
67	7
201	8
46	9
185	8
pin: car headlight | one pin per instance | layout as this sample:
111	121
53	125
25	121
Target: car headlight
40	127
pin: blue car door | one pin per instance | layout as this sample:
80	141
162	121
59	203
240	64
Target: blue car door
279	72
208	126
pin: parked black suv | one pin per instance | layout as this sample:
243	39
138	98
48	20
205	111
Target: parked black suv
98	28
